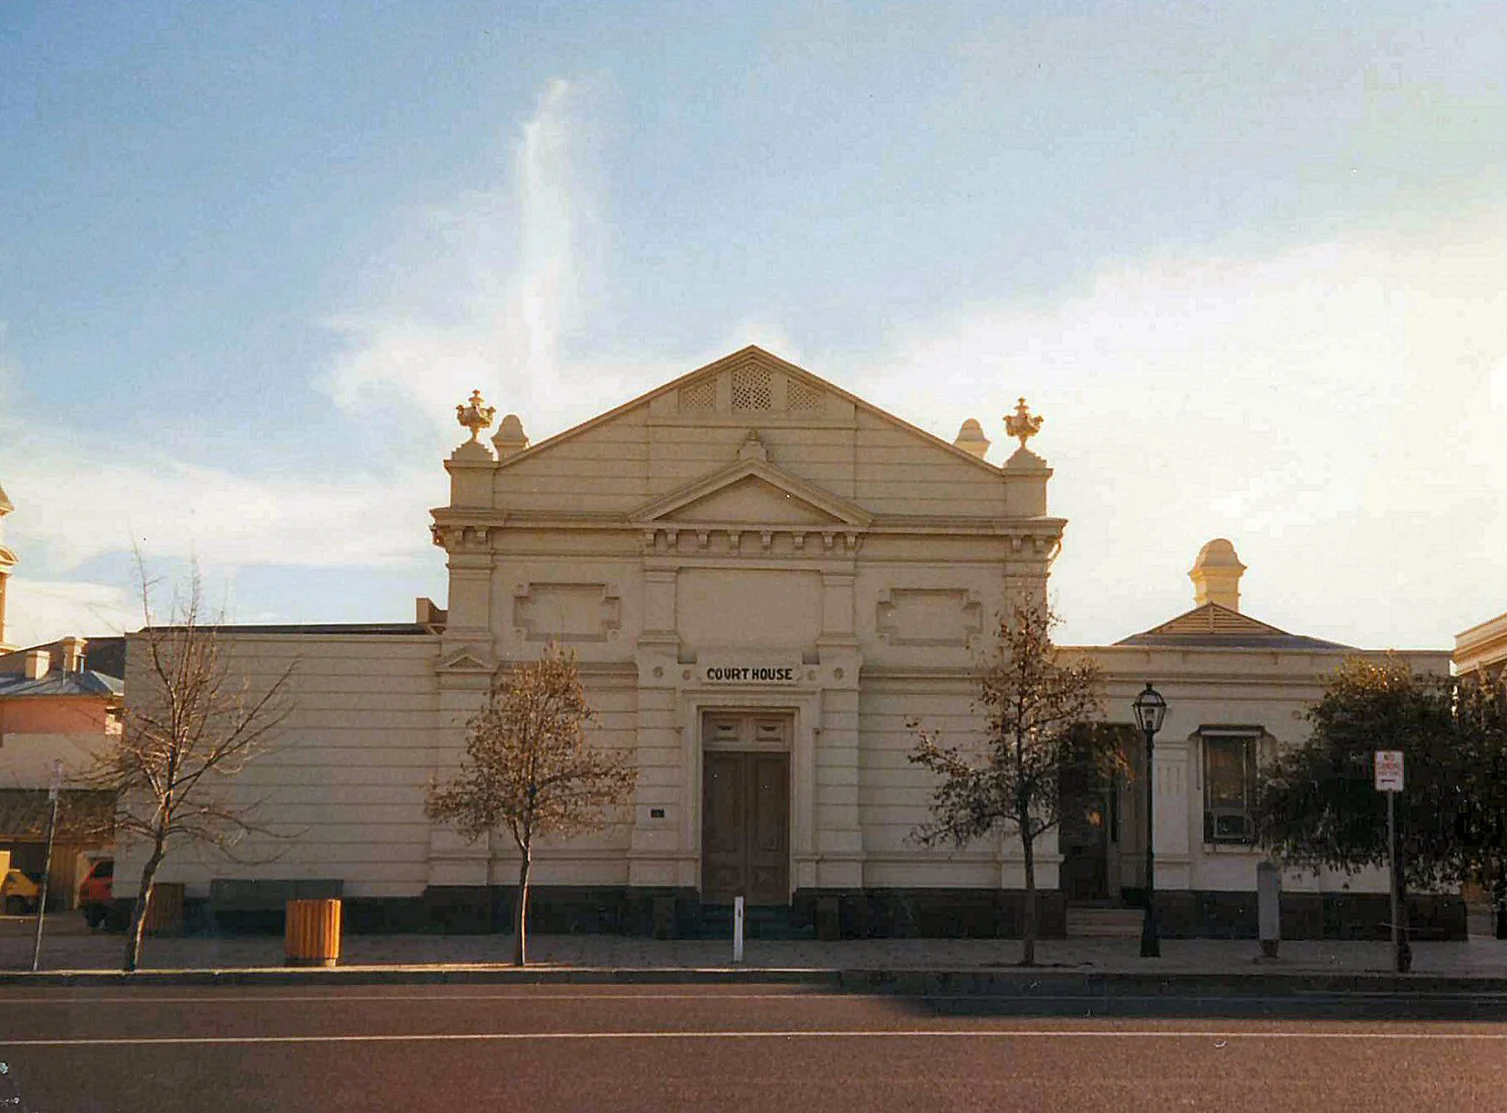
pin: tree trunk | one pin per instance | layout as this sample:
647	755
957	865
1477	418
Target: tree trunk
1028	917
139	910
520	913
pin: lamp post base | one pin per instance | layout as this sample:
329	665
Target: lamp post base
1151	944
1402	958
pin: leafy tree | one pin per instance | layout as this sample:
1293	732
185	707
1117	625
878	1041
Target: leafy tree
530	770
1039	717
1480	719
189	727
1318	806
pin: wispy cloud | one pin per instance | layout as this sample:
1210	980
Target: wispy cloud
479	290
1336	410
495	281
40	610
169	509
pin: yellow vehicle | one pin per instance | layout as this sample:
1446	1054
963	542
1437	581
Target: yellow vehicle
20	892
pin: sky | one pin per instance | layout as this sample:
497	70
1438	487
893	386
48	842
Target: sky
1248	260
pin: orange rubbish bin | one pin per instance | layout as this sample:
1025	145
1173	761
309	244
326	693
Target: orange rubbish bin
311	936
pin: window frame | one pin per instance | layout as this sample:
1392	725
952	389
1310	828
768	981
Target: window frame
1251	737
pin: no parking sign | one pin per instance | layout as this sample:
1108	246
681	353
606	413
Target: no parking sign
1388	770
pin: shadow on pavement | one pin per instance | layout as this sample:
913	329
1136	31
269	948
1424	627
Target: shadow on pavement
1297	1006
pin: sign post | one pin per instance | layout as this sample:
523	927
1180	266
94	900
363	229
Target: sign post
53	792
1389	779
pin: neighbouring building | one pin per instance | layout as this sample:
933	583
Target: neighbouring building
58	702
1483	648
768	581
7	565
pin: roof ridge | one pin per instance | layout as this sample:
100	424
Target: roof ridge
1214	618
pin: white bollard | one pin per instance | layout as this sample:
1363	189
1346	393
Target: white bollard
1268	907
737	929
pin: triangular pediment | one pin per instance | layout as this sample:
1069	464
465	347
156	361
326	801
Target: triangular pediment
466	661
753	386
751	499
753	492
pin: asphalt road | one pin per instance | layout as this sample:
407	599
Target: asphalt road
657	1048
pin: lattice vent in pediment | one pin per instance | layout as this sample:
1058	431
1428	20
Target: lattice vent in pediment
753	388
699	396
802	397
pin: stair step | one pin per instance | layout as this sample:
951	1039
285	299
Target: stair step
759	922
1104	923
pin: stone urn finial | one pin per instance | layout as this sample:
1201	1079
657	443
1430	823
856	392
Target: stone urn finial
475	415
1021	424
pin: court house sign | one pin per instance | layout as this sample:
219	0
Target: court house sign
748	672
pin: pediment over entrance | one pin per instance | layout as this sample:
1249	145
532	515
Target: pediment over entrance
753	492
750	499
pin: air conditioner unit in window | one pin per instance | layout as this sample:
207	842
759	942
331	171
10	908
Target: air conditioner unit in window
1228	825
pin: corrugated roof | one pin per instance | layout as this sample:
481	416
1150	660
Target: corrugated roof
59	683
1214	626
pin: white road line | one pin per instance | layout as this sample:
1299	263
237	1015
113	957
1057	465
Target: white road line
755	1034
66	999
334	997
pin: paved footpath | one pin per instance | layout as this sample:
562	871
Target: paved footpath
69	946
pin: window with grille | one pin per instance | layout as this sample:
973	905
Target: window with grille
802	396
698	396
1229	786
751	389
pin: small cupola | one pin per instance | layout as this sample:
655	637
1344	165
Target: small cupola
1216	575
510	437
971	438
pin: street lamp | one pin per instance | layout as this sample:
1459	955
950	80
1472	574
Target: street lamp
1150	708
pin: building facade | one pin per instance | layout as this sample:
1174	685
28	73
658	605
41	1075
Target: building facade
768	583
1482	649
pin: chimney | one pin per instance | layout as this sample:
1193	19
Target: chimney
71	652
1216	575
36	663
429	615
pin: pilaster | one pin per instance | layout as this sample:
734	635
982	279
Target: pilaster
1170	817
839	834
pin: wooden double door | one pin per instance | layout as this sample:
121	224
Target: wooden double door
745	812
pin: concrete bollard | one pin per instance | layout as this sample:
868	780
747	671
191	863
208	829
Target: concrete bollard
1269	907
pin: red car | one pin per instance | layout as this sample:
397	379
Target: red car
94	892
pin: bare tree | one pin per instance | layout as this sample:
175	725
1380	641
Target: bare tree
189	727
529	768
1039	717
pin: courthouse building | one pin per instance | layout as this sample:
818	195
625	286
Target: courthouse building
768	582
